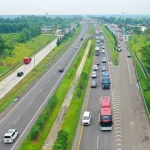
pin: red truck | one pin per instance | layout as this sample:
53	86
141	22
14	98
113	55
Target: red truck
27	60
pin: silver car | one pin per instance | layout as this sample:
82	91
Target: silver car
103	68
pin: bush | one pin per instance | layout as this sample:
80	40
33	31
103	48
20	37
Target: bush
61	142
43	117
35	132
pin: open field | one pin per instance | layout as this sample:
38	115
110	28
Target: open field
31	77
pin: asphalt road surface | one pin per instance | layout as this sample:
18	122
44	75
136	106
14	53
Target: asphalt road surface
9	82
27	109
131	128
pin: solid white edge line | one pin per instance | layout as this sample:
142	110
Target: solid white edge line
45	100
33	87
128	69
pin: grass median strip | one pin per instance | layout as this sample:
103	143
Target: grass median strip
111	42
25	83
60	94
75	107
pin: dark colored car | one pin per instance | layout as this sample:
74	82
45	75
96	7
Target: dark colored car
61	69
93	84
81	39
19	74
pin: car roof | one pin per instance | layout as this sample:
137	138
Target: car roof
86	113
9	132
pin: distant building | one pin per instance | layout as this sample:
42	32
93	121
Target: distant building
46	28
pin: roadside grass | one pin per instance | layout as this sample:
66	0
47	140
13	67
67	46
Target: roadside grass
143	81
22	50
3	69
136	43
74	110
91	29
26	82
110	40
61	94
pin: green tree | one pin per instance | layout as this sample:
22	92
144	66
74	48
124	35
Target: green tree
146	53
2	45
58	42
137	30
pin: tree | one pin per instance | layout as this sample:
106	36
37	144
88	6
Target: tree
147	31
146	53
137	30
58	42
2	45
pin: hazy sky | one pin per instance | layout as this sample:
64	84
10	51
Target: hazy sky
14	7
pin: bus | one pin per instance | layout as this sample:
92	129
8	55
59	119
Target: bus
105	116
97	51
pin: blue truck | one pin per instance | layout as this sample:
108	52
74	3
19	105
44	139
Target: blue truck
106	84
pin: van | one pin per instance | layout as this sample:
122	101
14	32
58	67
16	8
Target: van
86	119
10	136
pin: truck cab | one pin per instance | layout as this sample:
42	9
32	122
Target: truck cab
106	83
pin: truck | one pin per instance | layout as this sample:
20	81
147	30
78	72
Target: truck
106	82
27	60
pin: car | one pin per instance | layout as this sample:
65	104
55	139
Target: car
94	74
103	47
61	69
105	74
103	50
93	84
118	45
128	55
104	60
103	68
10	135
95	68
76	47
119	49
118	42
86	119
97	62
102	44
97	41
19	74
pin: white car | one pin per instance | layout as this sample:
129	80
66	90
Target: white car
94	74
97	41
103	50
103	47
104	60
10	136
95	68
86	119
103	68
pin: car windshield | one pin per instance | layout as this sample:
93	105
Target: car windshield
85	117
7	137
106	80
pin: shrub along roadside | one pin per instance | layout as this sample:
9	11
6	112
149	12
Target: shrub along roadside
22	86
114	53
60	94
74	110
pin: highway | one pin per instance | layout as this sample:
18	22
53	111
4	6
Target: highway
92	137
130	124
24	113
9	82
